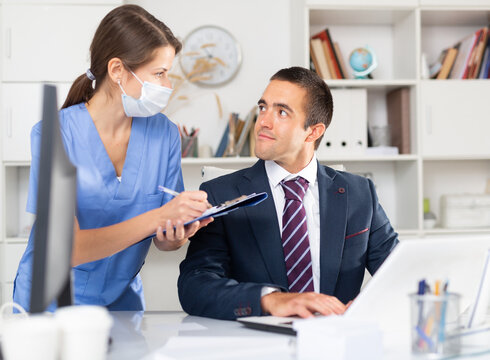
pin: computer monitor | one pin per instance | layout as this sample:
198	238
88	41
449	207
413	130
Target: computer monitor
56	201
385	301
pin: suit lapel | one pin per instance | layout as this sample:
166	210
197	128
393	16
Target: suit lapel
263	221
333	194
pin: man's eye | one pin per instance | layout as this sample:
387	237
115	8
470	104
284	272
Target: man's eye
261	108
282	113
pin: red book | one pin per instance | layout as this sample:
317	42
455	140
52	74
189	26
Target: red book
324	36
471	55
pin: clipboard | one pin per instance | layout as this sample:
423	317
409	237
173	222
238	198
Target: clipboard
231	205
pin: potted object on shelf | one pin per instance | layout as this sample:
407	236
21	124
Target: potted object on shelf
429	216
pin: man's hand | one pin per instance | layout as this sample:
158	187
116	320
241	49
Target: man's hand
303	305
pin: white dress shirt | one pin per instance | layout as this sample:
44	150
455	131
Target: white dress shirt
276	174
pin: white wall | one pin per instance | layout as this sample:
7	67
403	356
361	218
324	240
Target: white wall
263	30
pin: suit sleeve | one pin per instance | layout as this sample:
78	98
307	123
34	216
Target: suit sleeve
205	285
382	238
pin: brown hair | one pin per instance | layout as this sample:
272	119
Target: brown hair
319	103
129	33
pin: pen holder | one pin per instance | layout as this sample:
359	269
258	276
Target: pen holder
434	324
189	146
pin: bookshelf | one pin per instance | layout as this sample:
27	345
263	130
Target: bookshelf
448	118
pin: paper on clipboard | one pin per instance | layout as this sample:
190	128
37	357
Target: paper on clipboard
231	205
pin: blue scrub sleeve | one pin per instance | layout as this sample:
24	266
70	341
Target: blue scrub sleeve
34	171
174	179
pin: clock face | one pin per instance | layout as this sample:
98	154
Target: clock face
210	56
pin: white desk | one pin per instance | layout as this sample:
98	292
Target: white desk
136	335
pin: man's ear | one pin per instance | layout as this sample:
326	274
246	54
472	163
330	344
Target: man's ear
316	131
115	70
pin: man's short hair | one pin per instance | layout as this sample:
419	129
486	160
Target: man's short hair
318	106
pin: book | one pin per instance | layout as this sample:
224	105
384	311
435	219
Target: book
230	148
436	67
329	55
240	123
464	52
246	129
330	43
447	63
484	73
344	69
314	62
317	46
398	109
223	143
485	61
471	59
480	49
251	138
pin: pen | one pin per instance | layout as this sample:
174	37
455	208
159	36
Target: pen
175	193
167	190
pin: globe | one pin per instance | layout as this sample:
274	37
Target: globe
363	62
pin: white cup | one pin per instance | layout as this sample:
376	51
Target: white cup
27	338
84	332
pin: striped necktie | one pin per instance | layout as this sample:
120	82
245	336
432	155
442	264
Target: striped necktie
295	243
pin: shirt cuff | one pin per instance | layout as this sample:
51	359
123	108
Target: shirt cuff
266	290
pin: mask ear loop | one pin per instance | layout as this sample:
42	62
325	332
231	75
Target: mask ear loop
120	86
137	78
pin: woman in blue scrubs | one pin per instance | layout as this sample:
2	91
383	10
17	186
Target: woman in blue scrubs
123	148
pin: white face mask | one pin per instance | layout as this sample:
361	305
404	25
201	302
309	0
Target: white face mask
152	100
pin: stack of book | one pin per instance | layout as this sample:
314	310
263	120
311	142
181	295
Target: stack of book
327	60
238	138
468	59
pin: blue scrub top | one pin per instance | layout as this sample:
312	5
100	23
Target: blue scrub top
153	158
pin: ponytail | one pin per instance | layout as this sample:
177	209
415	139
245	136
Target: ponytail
129	33
80	91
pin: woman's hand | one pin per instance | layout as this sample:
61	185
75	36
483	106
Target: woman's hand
176	236
186	206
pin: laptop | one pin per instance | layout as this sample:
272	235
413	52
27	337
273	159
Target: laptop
385	297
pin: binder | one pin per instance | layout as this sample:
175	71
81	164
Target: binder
347	133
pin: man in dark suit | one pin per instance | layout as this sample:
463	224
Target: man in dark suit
305	248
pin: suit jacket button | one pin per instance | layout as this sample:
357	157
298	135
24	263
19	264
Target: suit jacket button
341	190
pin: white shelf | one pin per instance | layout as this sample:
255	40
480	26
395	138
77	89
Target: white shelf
242	160
245	161
16	163
455	16
441	231
16	240
368	158
456	158
370	84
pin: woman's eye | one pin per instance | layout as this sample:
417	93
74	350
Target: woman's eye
159	74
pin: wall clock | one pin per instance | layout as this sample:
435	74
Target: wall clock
210	56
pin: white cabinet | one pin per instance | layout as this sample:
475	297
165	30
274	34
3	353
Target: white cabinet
48	42
21	109
455	119
13	253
